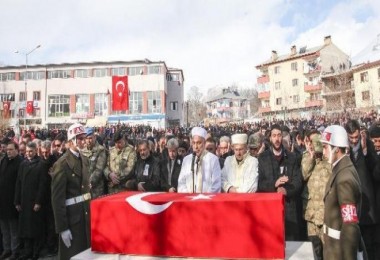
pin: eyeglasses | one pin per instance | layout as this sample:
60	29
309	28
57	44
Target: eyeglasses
57	145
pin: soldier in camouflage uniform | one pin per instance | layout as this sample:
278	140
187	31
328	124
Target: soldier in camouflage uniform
316	172
97	155
121	161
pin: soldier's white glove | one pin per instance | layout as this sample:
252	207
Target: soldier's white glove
66	237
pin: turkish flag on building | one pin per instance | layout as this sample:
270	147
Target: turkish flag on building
120	93
223	225
29	107
6	108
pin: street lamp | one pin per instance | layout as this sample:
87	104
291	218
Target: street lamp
26	78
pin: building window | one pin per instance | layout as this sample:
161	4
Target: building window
98	73
22	96
36	95
101	107
278	101
296	98
21	113
364	77
7	97
365	95
133	71
82	103
277	70
82	73
293	66
378	73
36	75
119	71
295	82
36	112
174	106
8	76
154	102
154	69
59	74
277	85
135	102
59	105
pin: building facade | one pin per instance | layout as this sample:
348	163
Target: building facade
291	85
227	106
62	94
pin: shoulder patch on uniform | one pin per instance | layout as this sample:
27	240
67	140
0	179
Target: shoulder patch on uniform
349	213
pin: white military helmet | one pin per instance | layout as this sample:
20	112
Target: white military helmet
335	135
74	130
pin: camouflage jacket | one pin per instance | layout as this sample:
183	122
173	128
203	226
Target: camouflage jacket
98	162
316	173
121	163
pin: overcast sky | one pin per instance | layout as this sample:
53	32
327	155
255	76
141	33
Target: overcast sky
215	42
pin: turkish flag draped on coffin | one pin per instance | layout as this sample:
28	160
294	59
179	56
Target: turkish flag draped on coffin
6	108
220	225
29	107
120	93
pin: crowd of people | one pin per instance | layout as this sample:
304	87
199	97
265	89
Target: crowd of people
328	170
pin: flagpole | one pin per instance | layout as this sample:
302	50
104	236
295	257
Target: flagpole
26	79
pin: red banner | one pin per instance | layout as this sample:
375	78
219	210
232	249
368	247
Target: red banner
29	107
120	93
6	108
190	225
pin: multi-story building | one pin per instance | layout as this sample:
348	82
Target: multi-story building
81	92
366	78
291	84
227	106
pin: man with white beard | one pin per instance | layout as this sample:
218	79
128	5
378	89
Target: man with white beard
240	172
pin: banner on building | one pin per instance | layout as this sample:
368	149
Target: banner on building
6	108
120	93
29	107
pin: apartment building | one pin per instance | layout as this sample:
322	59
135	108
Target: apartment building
226	106
366	78
62	94
291	84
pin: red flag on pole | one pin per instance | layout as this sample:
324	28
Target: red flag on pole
29	107
6	108
120	97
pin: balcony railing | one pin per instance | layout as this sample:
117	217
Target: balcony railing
264	109
264	95
310	87
263	79
314	103
317	69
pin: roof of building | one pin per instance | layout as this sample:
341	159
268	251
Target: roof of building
366	66
226	93
369	54
303	52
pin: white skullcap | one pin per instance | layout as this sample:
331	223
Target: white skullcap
239	139
199	131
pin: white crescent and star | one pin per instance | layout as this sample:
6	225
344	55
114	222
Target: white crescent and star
144	206
120	93
148	208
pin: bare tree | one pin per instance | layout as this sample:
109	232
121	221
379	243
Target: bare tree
252	97
195	107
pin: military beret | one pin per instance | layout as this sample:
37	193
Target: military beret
118	135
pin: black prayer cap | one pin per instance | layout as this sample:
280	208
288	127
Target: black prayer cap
374	131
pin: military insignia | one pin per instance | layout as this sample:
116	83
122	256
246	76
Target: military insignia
349	213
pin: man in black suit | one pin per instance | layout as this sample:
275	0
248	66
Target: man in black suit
171	167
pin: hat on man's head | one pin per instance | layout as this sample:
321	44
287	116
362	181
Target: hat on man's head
89	131
374	131
239	139
316	141
199	131
255	140
118	135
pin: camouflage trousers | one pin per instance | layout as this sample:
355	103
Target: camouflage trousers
314	230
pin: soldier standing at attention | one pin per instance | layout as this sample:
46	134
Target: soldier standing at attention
342	198
97	155
315	171
120	163
71	196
